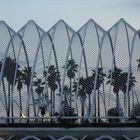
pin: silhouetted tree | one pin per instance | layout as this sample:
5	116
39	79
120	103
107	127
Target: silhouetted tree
0	65
19	80
124	82
88	86
39	90
66	93
138	67
71	70
9	73
113	112
100	80
116	82
120	83
43	111
27	71
81	93
53	80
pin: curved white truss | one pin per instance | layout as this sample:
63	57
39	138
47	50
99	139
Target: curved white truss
105	137
75	46
122	36
125	137
6	33
14	51
66	137
30	137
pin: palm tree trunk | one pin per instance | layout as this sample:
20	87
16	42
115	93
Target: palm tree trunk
124	99
42	118
128	103
117	103
89	102
5	96
64	106
98	105
53	102
70	98
82	111
38	109
37	113
28	109
20	103
95	106
77	107
104	103
12	107
33	104
76	101
8	109
133	100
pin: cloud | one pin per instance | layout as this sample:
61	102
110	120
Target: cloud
134	3
127	3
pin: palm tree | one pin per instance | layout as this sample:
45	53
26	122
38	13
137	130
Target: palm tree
100	80
27	76
81	93
43	111
138	67
115	80
88	86
9	73
53	80
39	88
26	79
132	82
66	92
0	65
19	80
71	68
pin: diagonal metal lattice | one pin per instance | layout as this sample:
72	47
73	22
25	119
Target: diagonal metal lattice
64	75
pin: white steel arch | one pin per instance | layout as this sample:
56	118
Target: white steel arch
30	137
76	59
6	33
61	34
91	35
45	51
31	34
105	137
122	37
9	71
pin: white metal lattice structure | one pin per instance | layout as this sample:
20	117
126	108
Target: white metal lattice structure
63	73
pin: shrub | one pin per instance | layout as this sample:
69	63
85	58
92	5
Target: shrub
114	112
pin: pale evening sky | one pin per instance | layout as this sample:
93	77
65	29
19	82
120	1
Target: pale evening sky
75	12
